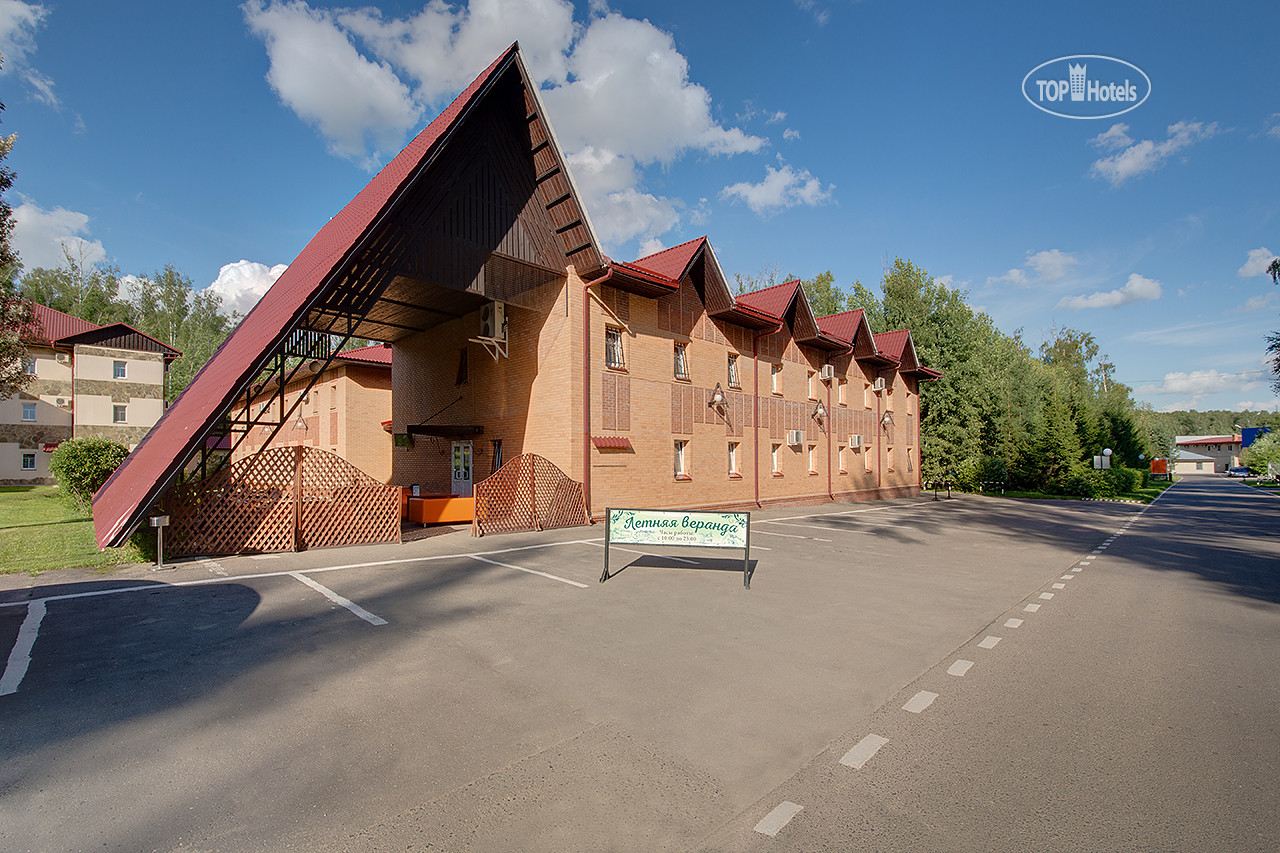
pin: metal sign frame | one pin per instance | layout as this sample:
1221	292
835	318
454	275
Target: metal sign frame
678	528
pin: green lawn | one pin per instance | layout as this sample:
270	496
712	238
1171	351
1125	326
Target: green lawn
39	533
1147	495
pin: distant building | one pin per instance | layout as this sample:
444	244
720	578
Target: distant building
347	411
88	381
1206	454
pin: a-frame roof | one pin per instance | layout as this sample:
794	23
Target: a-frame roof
899	346
54	324
479	206
852	329
788	301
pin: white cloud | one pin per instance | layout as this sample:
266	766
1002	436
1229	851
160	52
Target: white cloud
790	135
18	24
1045	266
41	236
820	14
617	90
1254	304
357	105
1136	158
1272	125
1136	289
1196	385
776	117
780	189
1257	263
1272	405
242	284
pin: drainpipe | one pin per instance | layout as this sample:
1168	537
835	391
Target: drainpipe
831	495
879	440
755	426
586	386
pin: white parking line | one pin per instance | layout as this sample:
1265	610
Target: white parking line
20	657
1067	577
990	642
808	526
1013	623
337	599
781	815
645	553
959	668
1031	608
529	571
920	701
1078	569
790	536
1059	586
864	751
1046	595
213	566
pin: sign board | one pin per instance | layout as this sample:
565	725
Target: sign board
684	528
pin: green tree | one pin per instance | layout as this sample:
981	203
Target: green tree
9	261
167	306
79	287
1264	454
16	319
825	296
82	465
1273	339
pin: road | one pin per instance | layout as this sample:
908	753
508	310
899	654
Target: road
459	694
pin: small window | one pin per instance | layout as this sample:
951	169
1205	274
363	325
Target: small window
613	356
28	411
775	378
29	365
28	462
333	396
733	371
813	385
910	462
733	458
119	414
497	454
773	458
840	385
462	367
840	457
680	471
119	370
1199	466
682	362
813	459
867	397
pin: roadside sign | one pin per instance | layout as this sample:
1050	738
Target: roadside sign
685	528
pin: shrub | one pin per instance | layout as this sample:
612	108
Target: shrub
1121	480
82	465
1078	483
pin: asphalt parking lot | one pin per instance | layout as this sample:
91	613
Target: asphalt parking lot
488	694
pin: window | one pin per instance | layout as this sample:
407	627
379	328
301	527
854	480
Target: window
680	471
613	348
28	462
682	362
462	367
813	459
775	378
29	365
733	459
773	459
840	456
1199	466
119	370
28	411
119	414
910	463
813	385
497	454
867	396
840	385
733	371
333	396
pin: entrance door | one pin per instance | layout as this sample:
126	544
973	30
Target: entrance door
462	468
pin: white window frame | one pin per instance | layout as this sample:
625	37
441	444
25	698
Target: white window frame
119	370
813	382
31	408
614	354
733	458
732	376
813	459
119	414
31	457
681	366
775	378
773	458
840	451
841	385
680	468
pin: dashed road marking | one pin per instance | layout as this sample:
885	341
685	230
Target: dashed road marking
990	642
1046	595
1078	569
863	752
920	701
1013	623
1067	577
337	599
20	657
1059	586
1031	608
781	815
959	668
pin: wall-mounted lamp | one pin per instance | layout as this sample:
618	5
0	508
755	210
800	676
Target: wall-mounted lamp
819	411
717	398
887	420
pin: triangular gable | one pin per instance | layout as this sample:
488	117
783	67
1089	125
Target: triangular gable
55	324
852	329
374	245
788	301
122	335
672	263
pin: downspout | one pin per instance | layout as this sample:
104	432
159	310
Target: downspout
879	440
755	426
586	387
831	495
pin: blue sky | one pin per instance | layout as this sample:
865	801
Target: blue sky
800	135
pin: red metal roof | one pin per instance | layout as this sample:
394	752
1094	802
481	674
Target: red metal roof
118	507
54	324
773	301
843	326
671	263
1212	439
893	344
375	354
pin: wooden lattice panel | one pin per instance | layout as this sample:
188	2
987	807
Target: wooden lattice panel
528	493
281	499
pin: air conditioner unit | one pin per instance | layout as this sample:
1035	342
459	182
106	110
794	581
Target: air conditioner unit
827	373
63	357
855	441
61	401
795	437
493	321
877	385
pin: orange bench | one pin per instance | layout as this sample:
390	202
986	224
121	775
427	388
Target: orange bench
439	510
